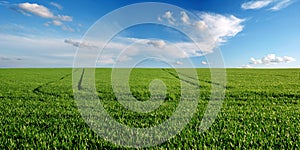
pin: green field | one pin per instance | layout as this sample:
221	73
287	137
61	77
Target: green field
261	109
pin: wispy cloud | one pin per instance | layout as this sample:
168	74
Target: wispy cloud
274	5
6	58
280	5
80	44
58	6
67	28
256	4
63	18
57	23
32	51
4	3
124	49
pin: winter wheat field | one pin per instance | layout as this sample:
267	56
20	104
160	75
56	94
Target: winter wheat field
261	109
197	74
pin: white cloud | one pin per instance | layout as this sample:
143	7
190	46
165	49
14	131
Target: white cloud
221	27
124	58
178	63
36	9
64	18
275	5
129	50
246	66
185	18
80	44
56	5
201	25
210	29
106	59
4	58
168	16
157	43
42	11
256	4
280	5
32	51
9	58
271	59
29	9
204	63
67	28
57	23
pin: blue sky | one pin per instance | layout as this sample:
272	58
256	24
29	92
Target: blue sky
249	33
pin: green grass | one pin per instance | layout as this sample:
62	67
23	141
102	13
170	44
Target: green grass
261	110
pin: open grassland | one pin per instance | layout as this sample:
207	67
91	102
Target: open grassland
261	109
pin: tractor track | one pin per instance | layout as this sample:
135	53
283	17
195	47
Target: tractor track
38	90
190	82
187	81
79	87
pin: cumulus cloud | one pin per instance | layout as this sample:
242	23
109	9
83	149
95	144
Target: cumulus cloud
29	9
185	18
257	4
36	9
272	59
221	27
58	6
41	11
275	5
211	29
169	17
18	10
157	43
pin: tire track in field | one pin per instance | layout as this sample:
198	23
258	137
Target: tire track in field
38	90
190	82
185	80
79	87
